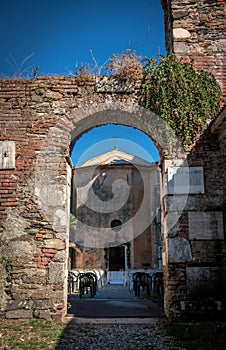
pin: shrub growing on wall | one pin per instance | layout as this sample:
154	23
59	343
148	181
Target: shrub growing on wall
186	98
126	66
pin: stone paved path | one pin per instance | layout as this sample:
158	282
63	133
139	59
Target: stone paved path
115	291
113	301
116	336
115	333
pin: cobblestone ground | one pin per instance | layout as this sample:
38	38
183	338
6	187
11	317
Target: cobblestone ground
116	337
115	334
115	291
113	301
111	291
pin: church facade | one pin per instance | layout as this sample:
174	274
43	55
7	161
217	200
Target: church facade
128	187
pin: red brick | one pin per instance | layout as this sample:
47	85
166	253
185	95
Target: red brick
48	255
9	204
45	259
49	251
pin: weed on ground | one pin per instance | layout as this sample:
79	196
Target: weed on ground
33	335
42	335
198	335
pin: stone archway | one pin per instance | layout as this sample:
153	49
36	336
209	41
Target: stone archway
47	190
157	130
35	195
179	183
40	121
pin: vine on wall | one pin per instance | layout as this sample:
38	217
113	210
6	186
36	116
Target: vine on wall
6	264
186	98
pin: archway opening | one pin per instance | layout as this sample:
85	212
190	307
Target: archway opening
117	162
105	138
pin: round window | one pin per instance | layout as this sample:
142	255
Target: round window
116	225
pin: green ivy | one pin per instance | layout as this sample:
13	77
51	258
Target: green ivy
8	263
183	96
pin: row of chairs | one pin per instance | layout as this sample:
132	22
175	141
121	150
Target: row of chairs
83	282
147	283
100	273
87	282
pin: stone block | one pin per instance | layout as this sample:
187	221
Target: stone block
206	225
15	225
19	314
180	14
42	314
7	154
171	225
54	244
60	256
202	282
206	251
53	95
181	33
43	304
112	84
23	249
18	305
179	250
192	203
59	221
56	295
182	180
56	273
181	48
38	293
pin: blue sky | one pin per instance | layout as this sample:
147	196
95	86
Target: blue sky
108	137
61	33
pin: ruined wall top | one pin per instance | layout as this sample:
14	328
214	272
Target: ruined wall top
195	27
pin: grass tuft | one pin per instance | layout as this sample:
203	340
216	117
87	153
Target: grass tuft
198	335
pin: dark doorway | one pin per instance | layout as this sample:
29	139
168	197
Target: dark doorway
117	258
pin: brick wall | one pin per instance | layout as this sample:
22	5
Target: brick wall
196	30
43	118
218	129
38	121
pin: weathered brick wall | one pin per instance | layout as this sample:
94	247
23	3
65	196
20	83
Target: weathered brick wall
196	30
43	118
197	280
197	251
39	118
218	129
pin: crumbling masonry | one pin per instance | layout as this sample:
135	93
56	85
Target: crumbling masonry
40	122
